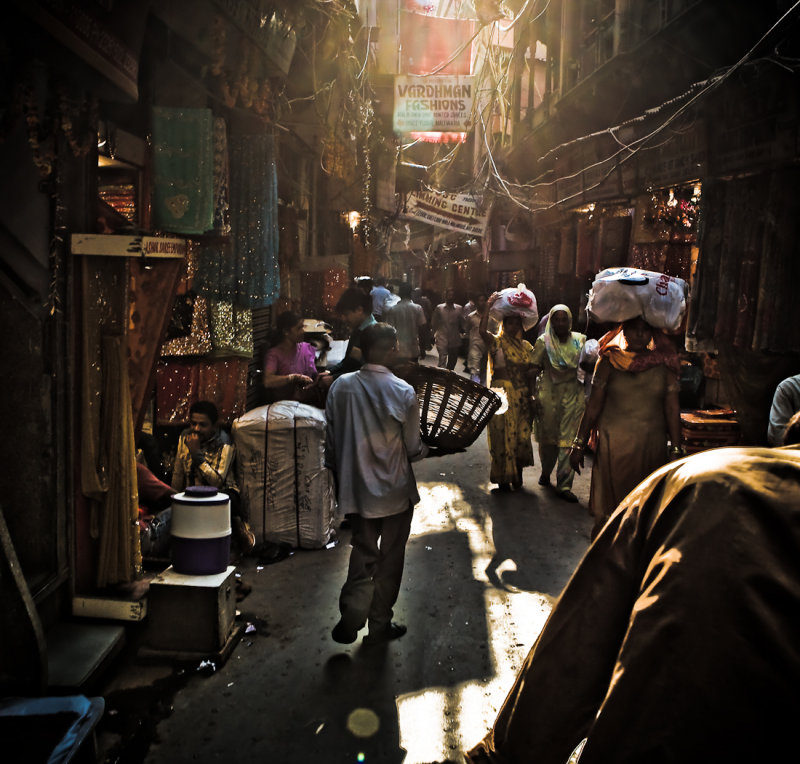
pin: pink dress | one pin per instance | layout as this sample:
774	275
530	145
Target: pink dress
303	361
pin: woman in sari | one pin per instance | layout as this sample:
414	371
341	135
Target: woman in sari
510	368
634	406
560	400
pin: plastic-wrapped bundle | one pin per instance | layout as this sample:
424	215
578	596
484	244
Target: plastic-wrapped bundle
516	301
619	294
285	488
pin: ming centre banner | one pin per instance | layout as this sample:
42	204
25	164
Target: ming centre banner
456	212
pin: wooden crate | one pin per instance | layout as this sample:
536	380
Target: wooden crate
191	614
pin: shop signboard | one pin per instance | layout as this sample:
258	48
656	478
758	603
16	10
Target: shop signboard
432	104
117	245
455	212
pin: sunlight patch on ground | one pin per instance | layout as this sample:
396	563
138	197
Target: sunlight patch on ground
438	722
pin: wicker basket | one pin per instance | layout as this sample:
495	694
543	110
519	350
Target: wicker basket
453	409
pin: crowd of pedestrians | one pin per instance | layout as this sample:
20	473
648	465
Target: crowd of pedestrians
685	600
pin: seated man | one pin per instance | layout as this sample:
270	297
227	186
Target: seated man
355	307
677	639
205	457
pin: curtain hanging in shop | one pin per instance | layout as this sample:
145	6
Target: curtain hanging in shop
244	269
151	292
119	553
107	450
183	170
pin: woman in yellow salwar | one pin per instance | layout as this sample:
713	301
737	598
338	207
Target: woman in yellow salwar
510	368
560	398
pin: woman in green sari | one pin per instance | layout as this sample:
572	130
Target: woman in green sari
560	399
511	369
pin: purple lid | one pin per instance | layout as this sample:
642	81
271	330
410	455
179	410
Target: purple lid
204	491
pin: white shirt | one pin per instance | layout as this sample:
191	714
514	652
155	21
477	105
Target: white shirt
785	403
406	317
372	437
379	296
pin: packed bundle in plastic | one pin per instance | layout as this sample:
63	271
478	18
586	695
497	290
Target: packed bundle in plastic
516	301
286	490
619	294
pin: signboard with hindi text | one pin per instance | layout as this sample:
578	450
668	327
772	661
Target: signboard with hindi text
430	104
456	212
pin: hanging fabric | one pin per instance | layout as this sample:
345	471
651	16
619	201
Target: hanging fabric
244	268
183	170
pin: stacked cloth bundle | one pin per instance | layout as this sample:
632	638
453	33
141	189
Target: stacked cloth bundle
286	490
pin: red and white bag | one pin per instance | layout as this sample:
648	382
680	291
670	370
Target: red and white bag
619	294
516	301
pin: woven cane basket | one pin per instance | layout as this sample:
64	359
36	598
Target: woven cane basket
453	410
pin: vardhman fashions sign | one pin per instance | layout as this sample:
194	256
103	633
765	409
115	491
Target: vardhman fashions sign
432	104
456	212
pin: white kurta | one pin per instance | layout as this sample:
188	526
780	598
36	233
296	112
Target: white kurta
372	436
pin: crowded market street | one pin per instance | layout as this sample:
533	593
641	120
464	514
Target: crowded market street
482	571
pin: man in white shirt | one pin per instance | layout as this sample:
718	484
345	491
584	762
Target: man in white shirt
373	435
448	326
380	294
407	318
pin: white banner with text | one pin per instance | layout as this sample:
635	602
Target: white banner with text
456	212
432	104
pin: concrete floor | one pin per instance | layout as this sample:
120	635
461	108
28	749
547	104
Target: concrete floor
482	571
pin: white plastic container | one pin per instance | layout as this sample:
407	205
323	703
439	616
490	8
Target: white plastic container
201	531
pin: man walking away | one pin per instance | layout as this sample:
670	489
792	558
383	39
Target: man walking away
380	294
448	326
407	318
373	436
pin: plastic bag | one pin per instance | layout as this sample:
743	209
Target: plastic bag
516	301
619	294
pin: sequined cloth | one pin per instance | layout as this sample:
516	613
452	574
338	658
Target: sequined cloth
183	170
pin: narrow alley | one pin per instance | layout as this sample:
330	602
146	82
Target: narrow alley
481	573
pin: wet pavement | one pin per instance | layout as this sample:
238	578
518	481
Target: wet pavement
482	571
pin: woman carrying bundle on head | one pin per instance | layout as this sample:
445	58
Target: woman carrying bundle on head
511	369
560	400
634	406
